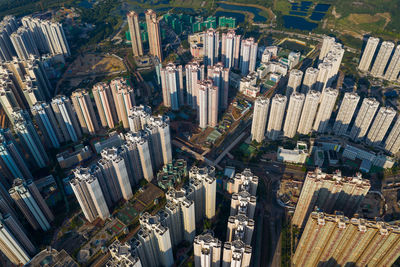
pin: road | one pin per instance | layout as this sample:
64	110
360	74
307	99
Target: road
231	145
193	153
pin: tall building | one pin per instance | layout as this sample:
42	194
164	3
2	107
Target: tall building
243	203
368	54
392	143
105	104
240	227
12	162
208	104
346	112
327	44
294	82
337	240
7	26
31	203
29	138
309	112
122	255
324	74
236	253
393	69
207	250
293	114
8	102
181	210
259	121
140	116
124	99
364	118
382	59
172	86
84	110
211	47
244	181
248	55
325	109
230	49
194	73
156	241
134	30
329	192
24	43
153	29
89	194
66	118
334	57
380	126
220	77
276	114
203	184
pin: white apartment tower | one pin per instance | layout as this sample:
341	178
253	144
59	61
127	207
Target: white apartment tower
381	124
393	69
325	109
276	114
105	104
324	74
134	30
208	104
392	143
294	82
236	253
364	118
293	114
382	59
194	73
260	116
84	110
346	112
207	251
240	227
248	55
66	118
368	54
230	48
220	77
211	47
172	86
327	44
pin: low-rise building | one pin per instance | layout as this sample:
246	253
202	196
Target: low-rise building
297	155
68	159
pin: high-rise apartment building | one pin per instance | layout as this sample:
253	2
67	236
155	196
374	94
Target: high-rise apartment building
294	82
89	194
122	255
243	203
236	253
8	102
220	77
140	116
31	203
29	138
248	55
105	104
153	29
329	192
310	79
172	86
203	184
194	73
260	116
346	112
12	162
293	114
276	114
66	118
181	210
327	44
393	69
392	143
7	26
134	30
337	240
156	241
240	227
208	104
207	250
84	110
244	181
230	49
309	112
124	99
364	118
380	126
211	47
334	57
23	43
368	54
325	109
382	59
324	74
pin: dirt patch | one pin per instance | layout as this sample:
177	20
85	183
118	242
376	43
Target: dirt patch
94	63
363	18
336	15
